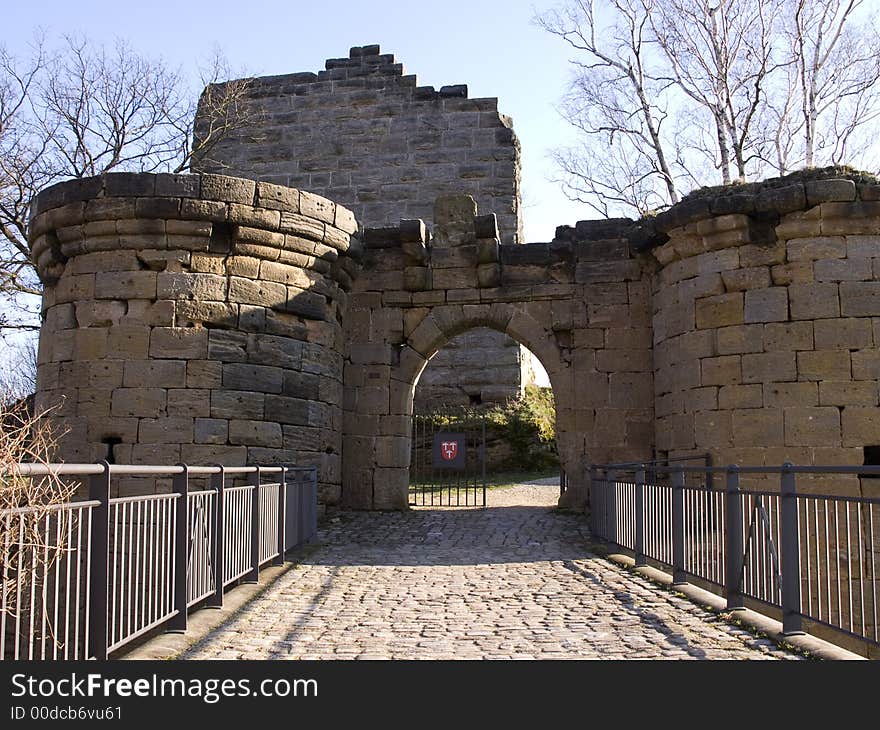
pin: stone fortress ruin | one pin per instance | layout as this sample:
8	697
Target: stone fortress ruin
365	135
281	316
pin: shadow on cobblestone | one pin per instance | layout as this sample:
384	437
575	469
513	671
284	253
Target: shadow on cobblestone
649	619
514	581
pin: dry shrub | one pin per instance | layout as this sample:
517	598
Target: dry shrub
33	532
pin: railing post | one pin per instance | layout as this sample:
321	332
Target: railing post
311	504
591	501
611	494
733	536
282	516
180	486
99	564
639	543
254	575
678	576
218	484
790	554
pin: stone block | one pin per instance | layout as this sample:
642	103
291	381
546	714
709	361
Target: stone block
129	342
255	433
194	286
90	344
768	367
140	402
282	352
740	396
228	189
237	404
823	365
125	285
766	305
226	346
860	299
719	311
762	254
814	301
204	374
210	430
754	277
823	191
865	365
611	361
818	426
757	427
189	402
739	339
215	454
285	274
788	336
291	411
176	430
848	393
848	269
860	426
257	378
314	206
188	343
812	249
153	314
780	395
843	333
713	429
795	272
718	261
155	374
631	390
196	313
724	370
263	293
858	247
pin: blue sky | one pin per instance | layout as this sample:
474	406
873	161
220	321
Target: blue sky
491	45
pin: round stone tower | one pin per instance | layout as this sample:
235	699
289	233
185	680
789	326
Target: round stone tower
193	318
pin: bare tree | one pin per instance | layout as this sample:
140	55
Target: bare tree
85	110
837	72
619	105
720	54
690	91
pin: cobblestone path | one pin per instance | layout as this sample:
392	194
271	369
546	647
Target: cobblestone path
513	581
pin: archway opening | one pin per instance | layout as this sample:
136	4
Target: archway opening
490	397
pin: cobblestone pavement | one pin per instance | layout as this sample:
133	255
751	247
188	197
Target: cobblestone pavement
514	581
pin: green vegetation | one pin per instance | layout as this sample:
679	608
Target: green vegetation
520	434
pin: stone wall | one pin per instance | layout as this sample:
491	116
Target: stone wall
581	304
478	367
193	318
364	134
767	325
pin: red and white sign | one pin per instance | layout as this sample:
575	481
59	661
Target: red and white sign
449	450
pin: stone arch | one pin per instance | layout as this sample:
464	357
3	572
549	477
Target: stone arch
438	327
515	320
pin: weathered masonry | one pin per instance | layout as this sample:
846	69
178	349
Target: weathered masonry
364	134
207	318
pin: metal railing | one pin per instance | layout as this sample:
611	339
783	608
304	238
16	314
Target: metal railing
803	556
84	578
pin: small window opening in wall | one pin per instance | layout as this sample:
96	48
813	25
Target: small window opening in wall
872	458
111	441
476	399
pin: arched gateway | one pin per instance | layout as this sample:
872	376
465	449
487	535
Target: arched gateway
204	318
